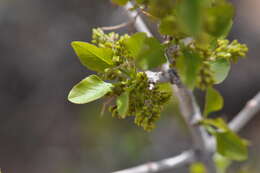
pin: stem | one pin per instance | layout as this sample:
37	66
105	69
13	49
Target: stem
246	114
191	113
139	23
165	164
119	26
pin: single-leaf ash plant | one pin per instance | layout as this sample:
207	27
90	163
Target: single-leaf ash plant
190	52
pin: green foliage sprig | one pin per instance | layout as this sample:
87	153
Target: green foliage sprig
126	57
202	57
201	63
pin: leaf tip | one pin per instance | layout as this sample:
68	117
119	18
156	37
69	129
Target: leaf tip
75	43
71	98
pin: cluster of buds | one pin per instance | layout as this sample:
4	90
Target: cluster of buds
231	51
145	103
205	79
146	100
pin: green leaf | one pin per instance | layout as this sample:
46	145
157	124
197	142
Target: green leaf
140	1
151	55
218	123
220	69
188	66
222	163
226	30
170	26
147	51
89	89
120	2
122	103
198	168
158	9
218	24
231	146
189	13
135	42
94	58
214	101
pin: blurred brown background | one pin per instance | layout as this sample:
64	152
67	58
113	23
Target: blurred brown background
40	131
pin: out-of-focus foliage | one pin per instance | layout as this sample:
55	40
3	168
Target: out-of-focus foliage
198	168
222	163
229	144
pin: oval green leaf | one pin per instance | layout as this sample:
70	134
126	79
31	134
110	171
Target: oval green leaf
219	25
189	13
188	67
214	101
135	42
220	69
94	58
89	89
147	51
